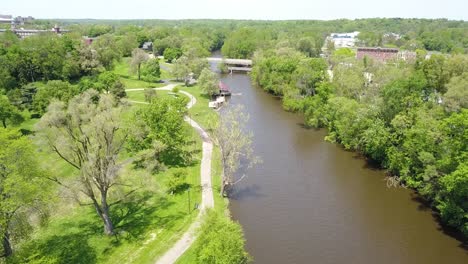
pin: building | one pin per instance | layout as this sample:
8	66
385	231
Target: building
148	46
343	40
377	54
19	20
22	33
6	19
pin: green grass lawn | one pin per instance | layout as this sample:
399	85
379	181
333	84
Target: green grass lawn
200	112
130	80
140	95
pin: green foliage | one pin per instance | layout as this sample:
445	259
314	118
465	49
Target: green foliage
110	82
107	51
23	189
171	54
9	114
177	182
344	53
241	44
452	200
456	96
161	121
151	71
209	82
58	90
221	241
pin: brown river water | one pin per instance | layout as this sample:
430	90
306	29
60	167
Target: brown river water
310	201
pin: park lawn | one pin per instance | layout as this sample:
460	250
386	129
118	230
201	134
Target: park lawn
146	225
200	112
130	80
140	95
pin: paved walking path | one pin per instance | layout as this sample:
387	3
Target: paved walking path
207	201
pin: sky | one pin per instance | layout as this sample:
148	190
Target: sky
236	9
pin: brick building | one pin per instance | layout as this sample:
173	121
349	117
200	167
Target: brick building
377	54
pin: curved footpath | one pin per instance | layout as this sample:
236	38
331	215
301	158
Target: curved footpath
207	201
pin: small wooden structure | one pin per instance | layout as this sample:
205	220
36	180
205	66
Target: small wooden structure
224	89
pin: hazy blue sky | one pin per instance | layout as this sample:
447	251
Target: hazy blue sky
236	9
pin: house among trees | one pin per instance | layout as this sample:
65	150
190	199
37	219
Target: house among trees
148	46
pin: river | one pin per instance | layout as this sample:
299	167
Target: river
310	201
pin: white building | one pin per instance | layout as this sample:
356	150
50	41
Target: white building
7	19
343	40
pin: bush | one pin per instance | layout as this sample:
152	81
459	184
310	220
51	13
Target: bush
177	183
221	241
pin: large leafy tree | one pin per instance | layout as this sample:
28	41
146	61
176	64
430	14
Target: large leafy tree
151	70
89	135
110	82
59	90
107	51
160	125
23	188
9	113
209	82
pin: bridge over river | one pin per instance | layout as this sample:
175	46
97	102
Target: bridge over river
234	65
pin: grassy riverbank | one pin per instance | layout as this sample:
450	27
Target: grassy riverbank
147	223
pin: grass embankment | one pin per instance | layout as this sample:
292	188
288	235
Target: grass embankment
147	225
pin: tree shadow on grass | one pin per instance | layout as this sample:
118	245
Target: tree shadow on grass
69	248
133	218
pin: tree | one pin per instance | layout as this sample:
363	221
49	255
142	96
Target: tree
107	51
22	186
452	200
235	144
456	96
58	90
306	46
110	82
89	61
436	73
139	56
209	82
89	135
161	123
9	113
309	74
151	70
349	81
181	69
171	54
